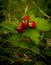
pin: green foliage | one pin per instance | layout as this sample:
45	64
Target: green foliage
27	48
28	63
9	25
32	34
39	63
43	25
47	34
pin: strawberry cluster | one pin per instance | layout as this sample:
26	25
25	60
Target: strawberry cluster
25	24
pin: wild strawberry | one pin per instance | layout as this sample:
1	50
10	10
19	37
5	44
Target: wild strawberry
26	17
19	29
25	25
32	24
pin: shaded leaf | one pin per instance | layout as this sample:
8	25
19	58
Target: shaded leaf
39	63
35	50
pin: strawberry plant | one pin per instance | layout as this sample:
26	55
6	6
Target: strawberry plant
25	35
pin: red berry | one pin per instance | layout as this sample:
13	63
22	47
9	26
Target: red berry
26	18
32	24
19	29
25	25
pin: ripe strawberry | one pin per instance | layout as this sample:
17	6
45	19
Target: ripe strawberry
26	17
32	24
19	29
25	25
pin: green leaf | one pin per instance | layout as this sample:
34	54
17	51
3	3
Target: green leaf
23	45
42	24
32	34
9	25
39	63
47	34
28	63
35	50
47	51
14	39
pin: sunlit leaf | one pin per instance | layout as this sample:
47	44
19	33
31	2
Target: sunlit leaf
32	34
42	24
9	25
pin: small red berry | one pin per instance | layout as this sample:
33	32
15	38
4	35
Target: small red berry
32	24
25	25
19	29
26	17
